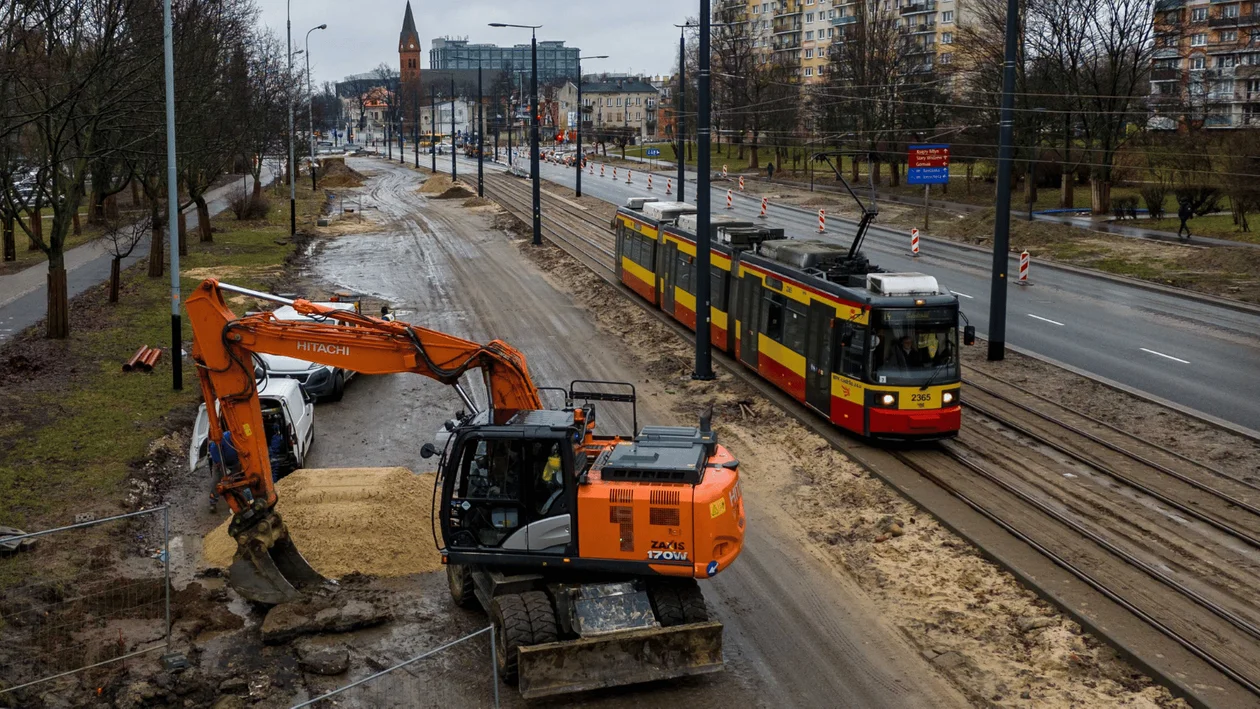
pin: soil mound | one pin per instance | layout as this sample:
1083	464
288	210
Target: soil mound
375	521
457	191
436	184
335	173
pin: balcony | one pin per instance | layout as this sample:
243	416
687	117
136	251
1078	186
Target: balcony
839	21
918	7
921	27
1165	74
1162	5
1223	22
1249	19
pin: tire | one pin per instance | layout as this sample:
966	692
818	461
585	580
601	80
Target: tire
460	581
339	387
677	602
542	617
512	632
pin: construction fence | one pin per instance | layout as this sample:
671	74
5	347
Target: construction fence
407	683
82	597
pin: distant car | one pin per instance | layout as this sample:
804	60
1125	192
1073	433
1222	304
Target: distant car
318	380
324	143
287	414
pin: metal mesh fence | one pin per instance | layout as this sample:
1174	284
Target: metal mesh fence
411	683
83	596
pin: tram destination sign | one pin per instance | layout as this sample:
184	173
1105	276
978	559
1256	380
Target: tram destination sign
928	165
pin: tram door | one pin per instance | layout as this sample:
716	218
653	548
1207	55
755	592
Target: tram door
818	356
667	266
750	319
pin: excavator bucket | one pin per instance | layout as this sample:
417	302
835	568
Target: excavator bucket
268	568
620	658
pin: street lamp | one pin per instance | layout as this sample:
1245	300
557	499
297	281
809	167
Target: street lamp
679	121
704	363
288	38
533	123
580	109
172	198
310	101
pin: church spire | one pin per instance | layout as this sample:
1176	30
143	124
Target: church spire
409	39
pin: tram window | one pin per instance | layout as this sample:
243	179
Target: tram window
794	327
684	274
636	248
772	321
717	288
851	357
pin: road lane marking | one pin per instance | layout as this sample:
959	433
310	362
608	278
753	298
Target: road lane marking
1052	322
1161	354
962	294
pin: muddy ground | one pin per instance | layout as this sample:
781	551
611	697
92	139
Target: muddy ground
845	595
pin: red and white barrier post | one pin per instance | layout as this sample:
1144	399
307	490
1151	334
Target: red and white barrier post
669	186
591	171
765	201
822	221
914	242
723	172
629	177
741	183
1023	269
649	180
728	200
601	170
614	173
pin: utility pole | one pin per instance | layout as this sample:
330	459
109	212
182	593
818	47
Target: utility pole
1002	222
415	124
704	364
580	110
452	127
288	34
433	124
681	122
533	136
481	136
172	197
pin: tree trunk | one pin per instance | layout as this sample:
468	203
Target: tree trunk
971	169
754	160
95	210
203	220
183	233
853	170
77	229
1067	189
876	179
1030	189
58	301
115	278
135	193
37	230
1100	196
10	242
111	207
156	260
895	177
257	186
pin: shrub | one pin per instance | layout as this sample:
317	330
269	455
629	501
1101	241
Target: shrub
1124	207
247	205
1154	195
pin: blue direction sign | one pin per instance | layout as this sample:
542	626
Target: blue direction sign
928	165
653	152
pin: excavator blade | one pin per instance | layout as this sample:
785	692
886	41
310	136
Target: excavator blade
268	568
620	658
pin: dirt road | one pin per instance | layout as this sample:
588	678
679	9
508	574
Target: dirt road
798	631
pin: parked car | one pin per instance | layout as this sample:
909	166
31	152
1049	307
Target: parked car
289	422
318	380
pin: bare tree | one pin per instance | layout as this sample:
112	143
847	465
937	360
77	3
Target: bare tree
121	235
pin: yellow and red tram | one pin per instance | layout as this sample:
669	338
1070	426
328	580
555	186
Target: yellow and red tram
876	353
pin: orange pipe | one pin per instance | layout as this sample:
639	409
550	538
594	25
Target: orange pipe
132	363
146	362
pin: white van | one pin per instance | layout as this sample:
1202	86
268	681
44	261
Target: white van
319	380
287	412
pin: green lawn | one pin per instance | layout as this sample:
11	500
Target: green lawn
71	431
1218	225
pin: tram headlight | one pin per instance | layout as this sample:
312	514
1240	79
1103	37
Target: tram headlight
947	397
889	399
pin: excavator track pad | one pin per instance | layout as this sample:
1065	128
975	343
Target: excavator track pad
268	568
620	658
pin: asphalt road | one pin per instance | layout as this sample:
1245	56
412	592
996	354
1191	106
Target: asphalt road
1185	351
798	633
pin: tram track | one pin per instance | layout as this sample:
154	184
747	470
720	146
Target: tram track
1194	598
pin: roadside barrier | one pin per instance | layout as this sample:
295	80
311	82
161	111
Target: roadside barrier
649	180
1024	258
723	172
822	221
728	200
601	170
629	177
741	183
669	186
914	242
765	201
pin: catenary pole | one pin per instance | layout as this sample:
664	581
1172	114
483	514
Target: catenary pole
172	198
704	365
1002	222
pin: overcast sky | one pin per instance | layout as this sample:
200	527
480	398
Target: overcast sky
637	36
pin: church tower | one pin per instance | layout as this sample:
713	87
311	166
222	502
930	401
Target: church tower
409	70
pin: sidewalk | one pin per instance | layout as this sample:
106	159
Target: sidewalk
23	295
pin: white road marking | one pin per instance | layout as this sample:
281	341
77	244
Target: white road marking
1161	354
962	294
1052	322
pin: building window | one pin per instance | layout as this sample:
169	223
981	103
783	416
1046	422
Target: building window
809	17
947	38
1198	40
1228	36
1226	61
947	17
809	71
809	54
1198	14
947	58
1197	62
1229	11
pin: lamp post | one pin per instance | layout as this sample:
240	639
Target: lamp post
1002	220
680	121
172	197
310	100
433	127
533	124
453	128
580	110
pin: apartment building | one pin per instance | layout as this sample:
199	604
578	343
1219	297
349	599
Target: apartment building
802	33
628	103
1205	68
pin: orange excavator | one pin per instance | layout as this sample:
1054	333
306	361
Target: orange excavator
584	548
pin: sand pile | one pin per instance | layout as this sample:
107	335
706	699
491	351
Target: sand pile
333	172
435	184
372	521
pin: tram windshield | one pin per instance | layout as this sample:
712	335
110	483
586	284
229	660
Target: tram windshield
915	346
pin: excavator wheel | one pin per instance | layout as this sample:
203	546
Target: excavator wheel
542	617
512	632
678	602
460	582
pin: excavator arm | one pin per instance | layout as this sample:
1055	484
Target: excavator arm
268	567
